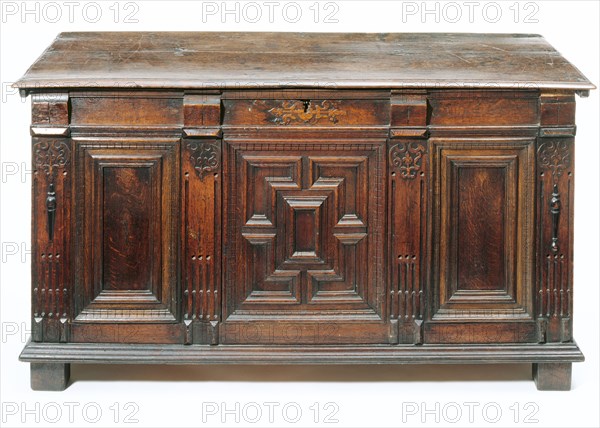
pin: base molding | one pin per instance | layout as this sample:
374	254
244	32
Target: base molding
109	353
50	362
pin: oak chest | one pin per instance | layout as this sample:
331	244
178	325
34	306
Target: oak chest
302	198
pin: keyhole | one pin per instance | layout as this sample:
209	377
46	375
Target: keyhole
306	105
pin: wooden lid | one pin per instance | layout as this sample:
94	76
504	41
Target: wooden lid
224	60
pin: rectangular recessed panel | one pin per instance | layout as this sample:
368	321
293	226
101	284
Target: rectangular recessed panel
305	231
127	210
481	199
126	111
483	108
482	231
127	236
308	112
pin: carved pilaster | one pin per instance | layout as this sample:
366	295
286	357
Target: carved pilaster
408	184
555	234
555	166
51	218
51	212
201	211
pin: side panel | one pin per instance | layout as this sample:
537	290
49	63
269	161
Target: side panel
127	193
483	215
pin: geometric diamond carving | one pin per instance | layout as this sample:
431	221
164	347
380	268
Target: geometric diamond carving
303	230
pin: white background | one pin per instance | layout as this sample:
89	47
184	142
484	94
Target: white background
359	396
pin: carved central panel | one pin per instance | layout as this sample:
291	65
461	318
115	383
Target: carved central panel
307	224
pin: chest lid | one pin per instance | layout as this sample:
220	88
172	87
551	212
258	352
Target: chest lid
227	60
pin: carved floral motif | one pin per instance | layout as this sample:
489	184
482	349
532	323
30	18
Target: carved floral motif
304	112
555	157
48	156
407	158
204	157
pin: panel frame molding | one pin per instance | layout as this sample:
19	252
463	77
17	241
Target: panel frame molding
493	306
346	321
91	153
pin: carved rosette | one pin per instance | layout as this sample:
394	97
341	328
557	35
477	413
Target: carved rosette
555	157
406	158
48	156
204	157
304	112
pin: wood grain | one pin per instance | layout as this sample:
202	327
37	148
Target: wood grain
278	60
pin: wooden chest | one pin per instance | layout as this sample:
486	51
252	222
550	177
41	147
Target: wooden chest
302	198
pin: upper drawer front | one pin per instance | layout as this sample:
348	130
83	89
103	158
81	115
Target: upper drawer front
457	108
318	112
127	109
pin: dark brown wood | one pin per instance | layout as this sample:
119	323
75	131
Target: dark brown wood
200	219
127	110
552	376
408	188
484	108
483	237
127	330
310	60
555	217
306	112
126	228
300	354
302	198
303	220
47	376
51	256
